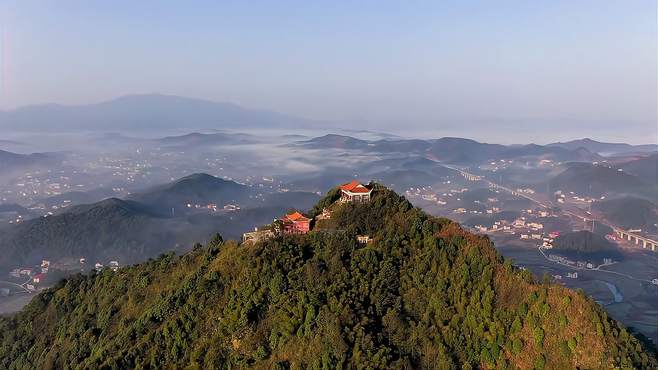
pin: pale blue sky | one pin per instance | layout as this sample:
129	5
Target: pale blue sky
460	64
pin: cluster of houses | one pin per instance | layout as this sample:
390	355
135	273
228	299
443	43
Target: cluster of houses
113	265
428	194
212	207
296	223
578	264
37	275
519	223
33	274
562	197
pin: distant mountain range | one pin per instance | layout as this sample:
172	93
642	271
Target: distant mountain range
588	179
144	112
645	168
606	148
198	139
575	166
453	150
12	161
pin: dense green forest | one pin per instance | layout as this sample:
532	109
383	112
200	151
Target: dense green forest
423	293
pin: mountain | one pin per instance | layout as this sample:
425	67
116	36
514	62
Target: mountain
196	139
629	213
130	231
111	229
556	154
605	148
423	293
597	180
453	150
201	189
585	242
13	161
333	141
405	172
463	151
143	112
11	211
645	168
400	146
405	178
77	197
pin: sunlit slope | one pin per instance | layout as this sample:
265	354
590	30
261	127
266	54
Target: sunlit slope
423	293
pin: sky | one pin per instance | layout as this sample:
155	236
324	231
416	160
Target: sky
509	70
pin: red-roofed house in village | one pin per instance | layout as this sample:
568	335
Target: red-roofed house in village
355	192
296	223
38	277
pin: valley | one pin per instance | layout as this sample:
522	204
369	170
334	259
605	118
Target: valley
345	185
180	189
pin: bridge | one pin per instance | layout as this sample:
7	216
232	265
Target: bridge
647	243
470	177
631	236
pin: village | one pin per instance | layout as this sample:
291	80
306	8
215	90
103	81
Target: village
34	278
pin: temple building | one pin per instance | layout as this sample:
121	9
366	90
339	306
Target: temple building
258	235
296	223
355	192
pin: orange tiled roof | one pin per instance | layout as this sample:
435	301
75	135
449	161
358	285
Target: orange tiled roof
296	217
355	187
350	186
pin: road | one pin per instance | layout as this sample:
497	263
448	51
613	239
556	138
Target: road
598	268
21	286
585	217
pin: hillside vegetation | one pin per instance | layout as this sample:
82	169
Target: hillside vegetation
109	229
586	244
629	213
423	294
198	188
597	180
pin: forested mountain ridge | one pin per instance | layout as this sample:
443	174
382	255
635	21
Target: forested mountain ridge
196	188
110	229
424	293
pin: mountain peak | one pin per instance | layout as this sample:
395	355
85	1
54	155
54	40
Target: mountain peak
379	277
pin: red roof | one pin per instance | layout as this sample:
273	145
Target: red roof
296	217
355	187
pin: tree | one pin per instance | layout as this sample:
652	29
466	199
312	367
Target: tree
517	346
540	362
215	241
538	334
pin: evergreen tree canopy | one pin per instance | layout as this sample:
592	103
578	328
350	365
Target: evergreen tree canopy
423	293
